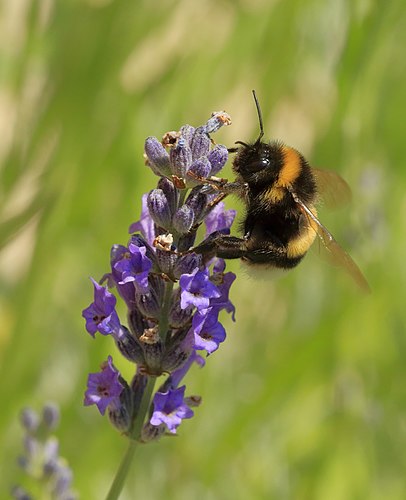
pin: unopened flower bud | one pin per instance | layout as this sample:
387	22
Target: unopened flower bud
138	385
171	193
62	483
197	201
158	158
183	219
187	132
166	260
179	317
120	417
186	264
159	208
153	349
200	169
178	349
129	346
217	157
181	157
200	143
152	432
29	419
136	322
187	241
149	304
50	416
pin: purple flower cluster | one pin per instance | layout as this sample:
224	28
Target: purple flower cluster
41	460
173	296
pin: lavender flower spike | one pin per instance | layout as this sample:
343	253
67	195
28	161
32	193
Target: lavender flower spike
41	460
174	297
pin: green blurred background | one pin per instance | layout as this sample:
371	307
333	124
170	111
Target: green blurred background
306	399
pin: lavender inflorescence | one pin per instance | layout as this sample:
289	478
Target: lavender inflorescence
173	296
41	462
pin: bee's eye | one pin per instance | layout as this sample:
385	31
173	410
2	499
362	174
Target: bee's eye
259	164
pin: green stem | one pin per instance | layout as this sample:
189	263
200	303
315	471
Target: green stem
143	410
164	319
125	464
164	316
122	472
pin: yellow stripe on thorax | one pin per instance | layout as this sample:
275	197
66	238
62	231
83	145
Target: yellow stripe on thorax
291	167
288	174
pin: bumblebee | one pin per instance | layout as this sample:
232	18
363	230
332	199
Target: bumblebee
280	191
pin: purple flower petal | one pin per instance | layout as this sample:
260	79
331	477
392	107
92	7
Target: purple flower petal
209	332
219	219
126	290
104	388
170	409
223	282
145	225
134	267
101	315
197	290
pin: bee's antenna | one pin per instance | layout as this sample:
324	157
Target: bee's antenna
261	123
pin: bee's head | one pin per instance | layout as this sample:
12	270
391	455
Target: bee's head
259	162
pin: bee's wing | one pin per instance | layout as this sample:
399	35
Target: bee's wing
332	189
338	254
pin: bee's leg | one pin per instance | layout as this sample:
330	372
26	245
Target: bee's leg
216	201
221	245
220	197
273	255
233	187
214	184
218	184
231	247
208	209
